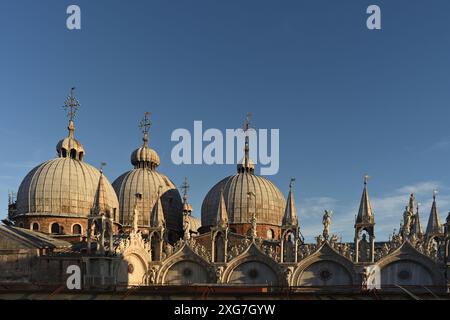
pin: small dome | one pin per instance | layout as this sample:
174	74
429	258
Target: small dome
145	157
270	202
62	187
70	147
246	165
146	181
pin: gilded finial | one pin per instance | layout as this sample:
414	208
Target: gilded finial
366	179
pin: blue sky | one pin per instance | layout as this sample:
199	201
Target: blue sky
348	101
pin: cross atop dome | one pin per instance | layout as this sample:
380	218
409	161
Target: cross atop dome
145	125
71	105
185	187
247	122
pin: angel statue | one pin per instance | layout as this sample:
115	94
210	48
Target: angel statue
326	221
186	228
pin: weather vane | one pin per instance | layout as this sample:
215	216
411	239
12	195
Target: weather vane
102	165
185	186
291	183
71	105
145	123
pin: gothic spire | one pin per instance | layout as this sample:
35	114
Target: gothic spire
365	214
100	206
434	222
222	214
157	217
417	226
290	213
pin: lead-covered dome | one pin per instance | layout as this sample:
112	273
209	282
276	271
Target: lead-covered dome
63	187
146	182
270	202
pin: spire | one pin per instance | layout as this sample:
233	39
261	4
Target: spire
71	105
417	226
290	213
100	206
247	164
222	214
434	222
157	219
365	214
145	125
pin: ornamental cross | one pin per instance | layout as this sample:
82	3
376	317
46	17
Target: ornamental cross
71	105
185	186
145	123
247	122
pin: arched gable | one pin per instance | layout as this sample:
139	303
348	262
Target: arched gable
325	267
185	267
406	266
253	266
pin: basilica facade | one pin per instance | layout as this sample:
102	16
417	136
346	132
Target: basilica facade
139	231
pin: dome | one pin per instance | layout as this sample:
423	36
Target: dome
270	202
147	182
69	146
62	187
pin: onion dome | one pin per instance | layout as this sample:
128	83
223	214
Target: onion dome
146	181
69	146
268	199
65	186
145	157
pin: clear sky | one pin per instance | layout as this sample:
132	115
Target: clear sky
348	101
